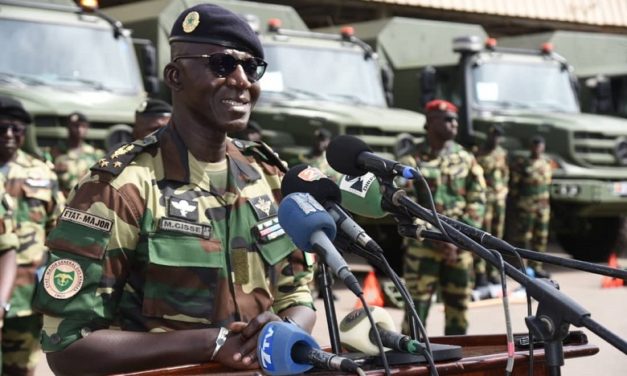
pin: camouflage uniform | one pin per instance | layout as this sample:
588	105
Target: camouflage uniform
496	174
74	164
8	239
320	162
458	187
529	188
148	243
38	202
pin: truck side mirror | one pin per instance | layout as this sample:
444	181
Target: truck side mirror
148	58
428	81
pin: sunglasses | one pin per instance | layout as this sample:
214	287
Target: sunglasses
222	64
16	129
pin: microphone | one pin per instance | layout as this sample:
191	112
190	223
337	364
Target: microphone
351	156
304	178
361	195
312	229
356	324
286	349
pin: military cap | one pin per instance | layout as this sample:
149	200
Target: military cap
440	105
13	108
209	23
77	117
537	139
152	106
497	130
322	134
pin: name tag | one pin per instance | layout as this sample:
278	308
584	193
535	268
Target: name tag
86	219
174	225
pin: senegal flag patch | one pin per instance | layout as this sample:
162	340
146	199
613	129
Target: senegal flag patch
63	279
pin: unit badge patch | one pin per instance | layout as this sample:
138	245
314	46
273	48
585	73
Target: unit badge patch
63	279
263	207
181	208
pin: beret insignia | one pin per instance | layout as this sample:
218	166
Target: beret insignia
191	21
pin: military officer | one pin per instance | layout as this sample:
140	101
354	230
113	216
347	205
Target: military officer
458	188
529	188
151	115
75	159
34	190
170	252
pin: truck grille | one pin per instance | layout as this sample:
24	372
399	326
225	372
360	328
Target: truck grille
61	121
599	149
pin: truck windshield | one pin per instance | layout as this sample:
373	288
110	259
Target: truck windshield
324	74
518	85
66	56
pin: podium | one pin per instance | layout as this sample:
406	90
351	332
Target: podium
482	355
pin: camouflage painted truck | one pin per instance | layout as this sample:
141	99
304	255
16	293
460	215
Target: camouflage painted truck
600	62
528	92
58	58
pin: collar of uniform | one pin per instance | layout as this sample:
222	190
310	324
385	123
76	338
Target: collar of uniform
180	165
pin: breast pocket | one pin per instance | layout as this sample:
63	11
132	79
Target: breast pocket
183	277
36	199
456	179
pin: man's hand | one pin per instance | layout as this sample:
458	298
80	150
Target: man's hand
249	332
230	356
448	250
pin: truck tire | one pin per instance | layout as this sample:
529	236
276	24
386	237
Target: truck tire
595	238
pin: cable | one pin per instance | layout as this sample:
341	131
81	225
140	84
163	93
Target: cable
377	337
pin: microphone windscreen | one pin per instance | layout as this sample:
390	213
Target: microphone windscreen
355	329
304	178
274	348
342	154
362	195
301	215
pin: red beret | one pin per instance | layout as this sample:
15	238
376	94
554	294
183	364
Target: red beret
440	105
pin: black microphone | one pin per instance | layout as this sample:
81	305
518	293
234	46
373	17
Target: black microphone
351	156
302	353
307	179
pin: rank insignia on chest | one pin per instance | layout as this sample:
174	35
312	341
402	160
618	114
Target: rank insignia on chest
269	230
181	208
263	207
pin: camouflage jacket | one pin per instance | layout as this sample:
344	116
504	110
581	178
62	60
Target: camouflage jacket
530	180
74	164
147	243
455	180
320	162
8	238
34	189
495	172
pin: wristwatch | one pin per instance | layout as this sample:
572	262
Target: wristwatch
220	340
6	306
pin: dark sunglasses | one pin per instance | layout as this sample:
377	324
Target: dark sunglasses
449	119
17	130
222	64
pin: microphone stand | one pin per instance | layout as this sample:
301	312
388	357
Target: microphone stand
324	281
556	311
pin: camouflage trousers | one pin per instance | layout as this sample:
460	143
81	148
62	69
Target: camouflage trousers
533	229
425	271
20	344
494	223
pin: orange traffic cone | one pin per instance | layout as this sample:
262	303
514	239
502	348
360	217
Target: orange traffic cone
372	292
609	282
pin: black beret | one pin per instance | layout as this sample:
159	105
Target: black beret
12	108
77	117
322	134
537	139
208	23
153	106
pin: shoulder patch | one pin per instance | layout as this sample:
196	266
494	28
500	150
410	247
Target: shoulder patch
114	162
63	279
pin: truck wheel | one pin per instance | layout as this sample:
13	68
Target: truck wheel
595	238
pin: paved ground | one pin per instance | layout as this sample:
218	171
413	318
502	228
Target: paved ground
607	306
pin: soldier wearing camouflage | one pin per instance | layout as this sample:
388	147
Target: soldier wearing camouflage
171	248
529	190
33	188
74	161
317	156
457	185
493	159
8	245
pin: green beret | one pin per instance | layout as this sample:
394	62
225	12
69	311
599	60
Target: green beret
209	23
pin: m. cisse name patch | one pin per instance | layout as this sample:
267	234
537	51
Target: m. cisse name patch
86	219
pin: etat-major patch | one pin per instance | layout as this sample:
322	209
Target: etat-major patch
86	219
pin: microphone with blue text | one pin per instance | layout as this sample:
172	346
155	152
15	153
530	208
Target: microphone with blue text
358	334
351	156
312	229
307	179
286	349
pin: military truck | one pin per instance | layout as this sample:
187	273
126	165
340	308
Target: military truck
313	80
59	58
600	62
527	92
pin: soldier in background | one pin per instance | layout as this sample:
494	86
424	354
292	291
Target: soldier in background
317	156
529	190
493	159
77	156
8	245
34	189
151	115
458	189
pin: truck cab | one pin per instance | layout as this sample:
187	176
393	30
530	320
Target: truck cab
59	58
